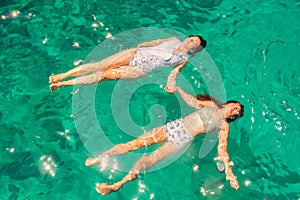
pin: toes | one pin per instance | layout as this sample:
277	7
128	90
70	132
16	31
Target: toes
103	188
53	87
52	79
89	162
98	188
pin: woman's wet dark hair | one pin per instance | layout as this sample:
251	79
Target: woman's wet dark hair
206	97
202	44
236	116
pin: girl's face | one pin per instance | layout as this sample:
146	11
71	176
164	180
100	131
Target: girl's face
191	44
232	109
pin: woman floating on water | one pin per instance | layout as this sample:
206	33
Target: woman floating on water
133	63
211	116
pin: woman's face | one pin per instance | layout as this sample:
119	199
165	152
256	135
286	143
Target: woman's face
191	44
232	109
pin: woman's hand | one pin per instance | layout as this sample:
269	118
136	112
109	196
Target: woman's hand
171	89
232	179
171	83
181	65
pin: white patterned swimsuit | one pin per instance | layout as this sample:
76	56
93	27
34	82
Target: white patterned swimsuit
177	133
150	58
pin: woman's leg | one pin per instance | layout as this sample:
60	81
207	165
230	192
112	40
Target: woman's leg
144	163
153	136
118	59
124	72
77	71
86	79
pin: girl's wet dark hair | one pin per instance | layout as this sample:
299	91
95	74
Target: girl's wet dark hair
206	97
202	44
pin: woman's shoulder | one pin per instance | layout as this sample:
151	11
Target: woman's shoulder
174	38
207	105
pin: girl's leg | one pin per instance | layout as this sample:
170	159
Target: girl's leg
154	136
77	71
124	72
121	58
144	163
87	79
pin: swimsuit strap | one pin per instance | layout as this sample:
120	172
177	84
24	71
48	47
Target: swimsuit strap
210	122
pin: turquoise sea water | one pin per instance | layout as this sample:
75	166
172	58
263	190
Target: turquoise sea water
255	46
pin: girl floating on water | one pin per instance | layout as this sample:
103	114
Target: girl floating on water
211	116
133	63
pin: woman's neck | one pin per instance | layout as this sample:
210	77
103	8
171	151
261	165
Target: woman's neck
180	49
219	113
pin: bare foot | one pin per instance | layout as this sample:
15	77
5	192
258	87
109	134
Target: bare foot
102	159
105	189
55	78
54	87
92	161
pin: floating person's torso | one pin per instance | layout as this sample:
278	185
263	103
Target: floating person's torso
210	122
150	58
202	121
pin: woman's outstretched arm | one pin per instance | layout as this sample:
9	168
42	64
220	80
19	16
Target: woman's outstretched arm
189	99
193	101
155	42
171	84
224	156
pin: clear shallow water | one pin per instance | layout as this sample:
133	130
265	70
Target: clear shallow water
255	46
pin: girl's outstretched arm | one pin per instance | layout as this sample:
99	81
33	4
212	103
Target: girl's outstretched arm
155	42
224	156
193	101
171	84
189	99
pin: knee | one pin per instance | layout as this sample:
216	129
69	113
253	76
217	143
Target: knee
95	77
133	174
108	75
132	145
145	162
98	76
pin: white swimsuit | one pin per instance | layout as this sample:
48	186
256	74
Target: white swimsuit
150	58
177	133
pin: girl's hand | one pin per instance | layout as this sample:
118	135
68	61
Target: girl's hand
232	179
181	65
170	90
